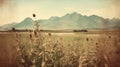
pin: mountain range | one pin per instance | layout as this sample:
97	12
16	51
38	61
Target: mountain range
68	21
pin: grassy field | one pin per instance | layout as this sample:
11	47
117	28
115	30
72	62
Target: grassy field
80	49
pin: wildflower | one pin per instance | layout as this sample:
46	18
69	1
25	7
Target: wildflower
49	34
87	39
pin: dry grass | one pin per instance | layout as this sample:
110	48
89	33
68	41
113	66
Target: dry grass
54	50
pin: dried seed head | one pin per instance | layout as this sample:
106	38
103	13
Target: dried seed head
110	37
34	15
49	34
87	39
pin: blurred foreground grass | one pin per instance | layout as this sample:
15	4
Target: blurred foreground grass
63	49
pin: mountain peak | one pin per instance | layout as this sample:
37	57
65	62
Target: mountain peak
95	16
28	20
74	14
69	21
26	23
53	18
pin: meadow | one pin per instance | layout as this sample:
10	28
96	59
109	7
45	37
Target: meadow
51	49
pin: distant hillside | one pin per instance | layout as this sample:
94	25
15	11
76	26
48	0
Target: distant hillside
69	21
25	24
8	26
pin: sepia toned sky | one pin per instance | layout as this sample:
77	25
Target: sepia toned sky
17	10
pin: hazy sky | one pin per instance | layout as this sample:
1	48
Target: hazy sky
17	10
